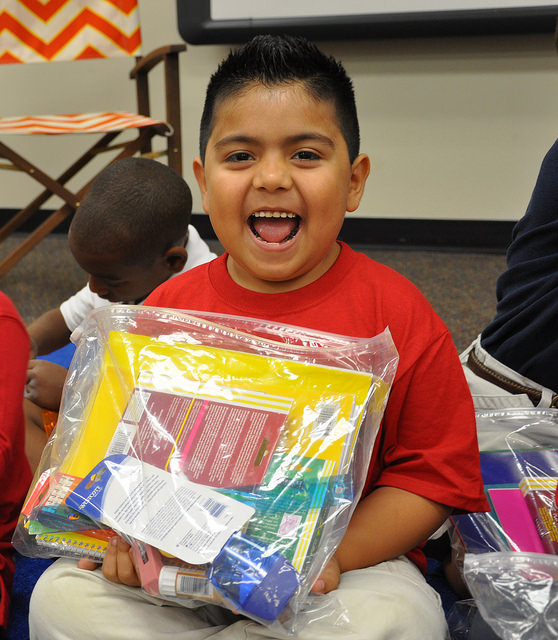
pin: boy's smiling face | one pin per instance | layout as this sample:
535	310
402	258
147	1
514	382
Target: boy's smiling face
276	183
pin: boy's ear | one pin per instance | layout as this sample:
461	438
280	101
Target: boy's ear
175	259
199	172
360	170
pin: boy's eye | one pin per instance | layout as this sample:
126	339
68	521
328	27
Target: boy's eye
239	156
306	154
114	283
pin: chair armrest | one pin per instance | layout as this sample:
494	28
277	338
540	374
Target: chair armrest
150	60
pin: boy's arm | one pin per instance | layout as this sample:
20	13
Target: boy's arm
387	523
48	333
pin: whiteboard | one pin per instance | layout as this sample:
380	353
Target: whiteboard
256	9
228	21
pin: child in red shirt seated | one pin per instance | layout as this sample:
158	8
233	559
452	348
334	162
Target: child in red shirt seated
15	474
279	166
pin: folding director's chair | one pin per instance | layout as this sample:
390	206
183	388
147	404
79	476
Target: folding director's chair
53	30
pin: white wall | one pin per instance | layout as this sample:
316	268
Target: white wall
456	127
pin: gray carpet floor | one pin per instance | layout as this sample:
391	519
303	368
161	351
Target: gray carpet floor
460	286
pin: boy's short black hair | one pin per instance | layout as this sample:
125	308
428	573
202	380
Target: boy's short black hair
271	60
137	207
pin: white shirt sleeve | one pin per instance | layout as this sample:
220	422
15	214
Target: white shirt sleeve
75	309
198	251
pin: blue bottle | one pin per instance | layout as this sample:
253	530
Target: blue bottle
254	580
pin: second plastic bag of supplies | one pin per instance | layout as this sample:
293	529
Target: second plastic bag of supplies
510	560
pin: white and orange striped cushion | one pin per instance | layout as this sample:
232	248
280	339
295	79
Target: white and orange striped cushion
76	123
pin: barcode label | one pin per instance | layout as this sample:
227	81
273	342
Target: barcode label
122	439
136	405
188	585
328	414
214	508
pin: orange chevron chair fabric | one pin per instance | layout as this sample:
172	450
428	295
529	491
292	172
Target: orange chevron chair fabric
46	31
56	30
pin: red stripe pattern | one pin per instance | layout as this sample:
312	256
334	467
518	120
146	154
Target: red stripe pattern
35	31
76	123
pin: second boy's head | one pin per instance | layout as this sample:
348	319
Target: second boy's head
130	231
279	161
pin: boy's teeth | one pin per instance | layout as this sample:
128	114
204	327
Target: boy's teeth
274	214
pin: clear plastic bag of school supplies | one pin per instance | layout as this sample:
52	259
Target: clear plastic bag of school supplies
509	555
230	452
516	593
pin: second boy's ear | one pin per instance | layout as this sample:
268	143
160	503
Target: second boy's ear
176	258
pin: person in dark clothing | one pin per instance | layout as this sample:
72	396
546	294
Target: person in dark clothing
513	361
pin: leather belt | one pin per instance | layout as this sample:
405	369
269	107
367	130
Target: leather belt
484	372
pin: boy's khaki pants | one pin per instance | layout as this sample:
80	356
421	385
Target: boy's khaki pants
391	600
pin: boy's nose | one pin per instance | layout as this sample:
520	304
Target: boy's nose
272	173
97	286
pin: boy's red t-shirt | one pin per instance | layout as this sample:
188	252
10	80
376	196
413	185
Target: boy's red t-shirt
427	443
15	474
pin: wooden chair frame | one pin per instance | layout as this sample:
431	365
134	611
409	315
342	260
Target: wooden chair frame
142	144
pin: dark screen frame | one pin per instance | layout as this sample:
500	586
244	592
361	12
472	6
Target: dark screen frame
196	26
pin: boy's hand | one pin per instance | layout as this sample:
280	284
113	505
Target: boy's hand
329	578
118	565
45	381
